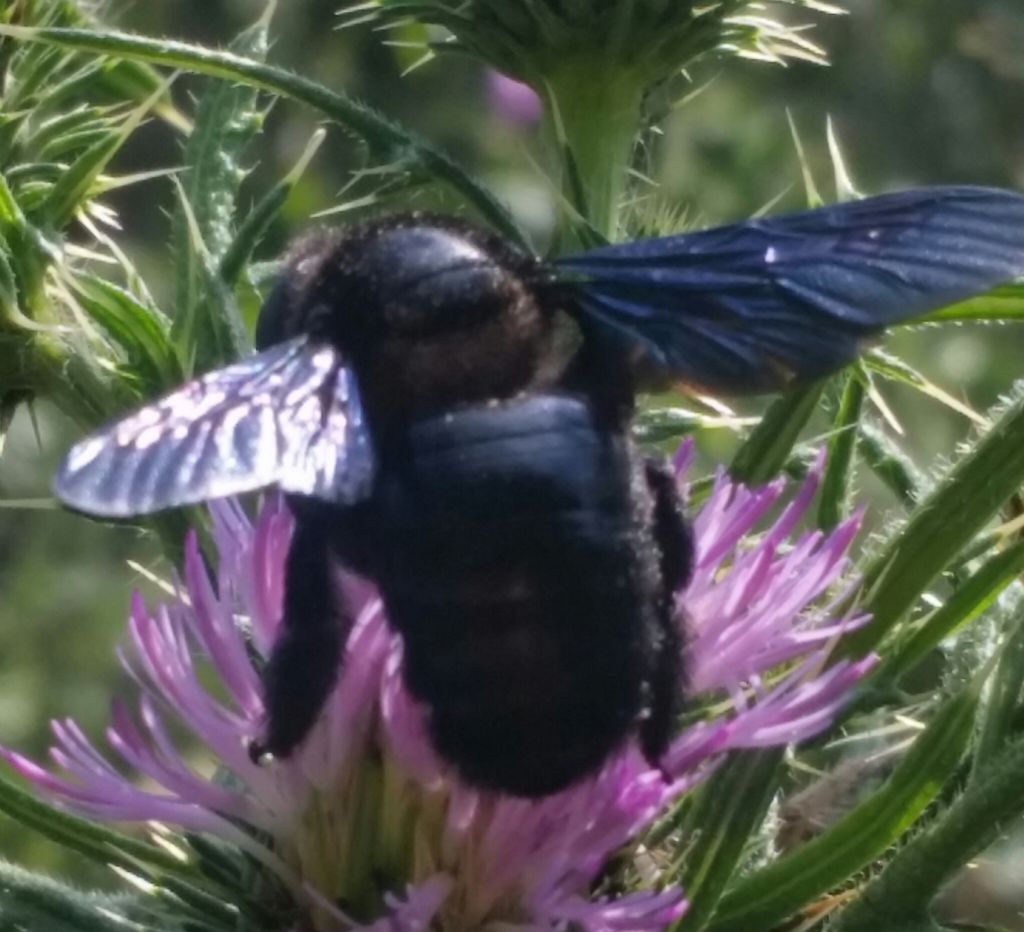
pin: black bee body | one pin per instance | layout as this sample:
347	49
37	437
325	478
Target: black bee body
511	526
515	551
524	580
451	418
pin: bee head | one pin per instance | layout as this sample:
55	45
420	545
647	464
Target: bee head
406	276
422	281
428	308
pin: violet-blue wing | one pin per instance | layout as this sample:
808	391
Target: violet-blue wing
756	305
290	416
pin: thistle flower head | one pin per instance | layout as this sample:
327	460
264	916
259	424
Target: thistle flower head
68	333
654	39
592	62
365	825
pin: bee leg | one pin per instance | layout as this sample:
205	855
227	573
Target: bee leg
674	542
303	665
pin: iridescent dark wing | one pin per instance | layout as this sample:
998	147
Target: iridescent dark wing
752	306
289	416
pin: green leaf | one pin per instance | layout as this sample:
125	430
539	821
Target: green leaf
10	401
839	459
890	464
95	841
56	137
256	222
34	902
1003	303
387	140
34	71
957	509
905	888
140	331
12	219
213	332
668	425
1002	702
65	85
895	369
724	813
765	451
966	603
166	873
130	80
74	186
226	122
780	890
8	282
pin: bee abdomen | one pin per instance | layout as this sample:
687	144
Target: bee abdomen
524	698
518	578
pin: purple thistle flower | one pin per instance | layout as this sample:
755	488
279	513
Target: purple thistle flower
512	100
366	795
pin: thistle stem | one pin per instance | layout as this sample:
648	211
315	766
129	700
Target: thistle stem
592	118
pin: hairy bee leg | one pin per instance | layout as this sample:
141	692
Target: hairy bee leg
304	663
674	541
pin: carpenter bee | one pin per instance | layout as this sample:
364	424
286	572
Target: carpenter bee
414	397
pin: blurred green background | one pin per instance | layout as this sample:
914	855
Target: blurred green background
919	92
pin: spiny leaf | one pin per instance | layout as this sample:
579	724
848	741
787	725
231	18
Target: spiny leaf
141	332
890	464
724	814
226	122
1003	303
386	139
71	190
255	224
897	370
149	863
10	401
33	901
904	890
972	597
946	522
778	891
223	332
91	839
839	459
1002	702
767	448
